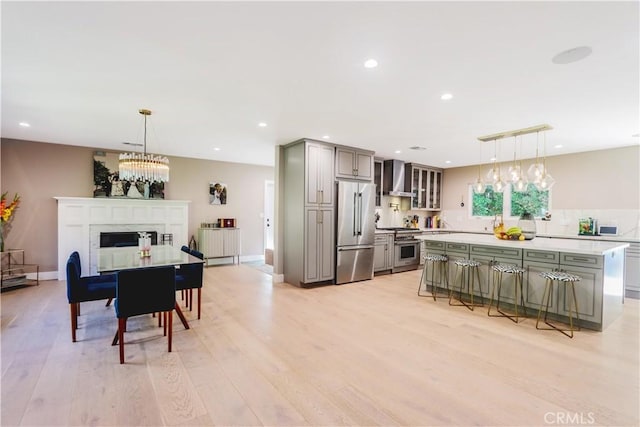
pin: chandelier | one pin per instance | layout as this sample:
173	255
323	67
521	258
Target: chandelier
143	166
537	173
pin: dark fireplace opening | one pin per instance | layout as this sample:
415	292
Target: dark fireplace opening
124	238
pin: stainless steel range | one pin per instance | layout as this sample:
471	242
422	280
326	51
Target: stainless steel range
406	249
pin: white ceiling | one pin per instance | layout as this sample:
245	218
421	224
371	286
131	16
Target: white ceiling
78	72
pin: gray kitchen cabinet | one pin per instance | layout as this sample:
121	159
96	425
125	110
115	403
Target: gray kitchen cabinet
433	248
425	183
319	245
590	269
534	263
455	251
307	174
632	270
319	176
354	164
382	255
488	256
378	173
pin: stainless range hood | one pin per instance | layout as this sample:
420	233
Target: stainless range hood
393	182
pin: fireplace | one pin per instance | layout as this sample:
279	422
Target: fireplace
82	221
124	238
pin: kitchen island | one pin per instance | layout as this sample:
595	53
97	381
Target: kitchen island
600	293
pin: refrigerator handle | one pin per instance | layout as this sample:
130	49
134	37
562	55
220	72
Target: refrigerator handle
355	214
360	214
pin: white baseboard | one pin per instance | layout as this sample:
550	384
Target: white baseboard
277	278
44	275
250	258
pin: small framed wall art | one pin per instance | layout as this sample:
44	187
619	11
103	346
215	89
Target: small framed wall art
217	193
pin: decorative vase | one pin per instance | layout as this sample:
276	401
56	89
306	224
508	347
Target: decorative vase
527	224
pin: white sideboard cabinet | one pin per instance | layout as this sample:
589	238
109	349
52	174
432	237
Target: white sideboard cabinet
219	243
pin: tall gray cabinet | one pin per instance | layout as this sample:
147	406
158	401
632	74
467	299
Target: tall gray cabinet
309	212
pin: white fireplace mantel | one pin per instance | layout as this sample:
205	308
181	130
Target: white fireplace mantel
82	219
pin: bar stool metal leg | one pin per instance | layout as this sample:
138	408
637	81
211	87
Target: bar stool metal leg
568	280
467	270
518	274
438	262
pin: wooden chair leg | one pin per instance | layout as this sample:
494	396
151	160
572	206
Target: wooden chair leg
108	302
159	319
190	299
182	294
170	322
199	300
78	309
164	314
74	320
121	325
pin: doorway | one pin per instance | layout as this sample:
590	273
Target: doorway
268	221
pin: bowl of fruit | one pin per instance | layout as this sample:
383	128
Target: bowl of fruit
512	233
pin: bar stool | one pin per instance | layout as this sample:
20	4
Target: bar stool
568	280
518	274
465	269
438	262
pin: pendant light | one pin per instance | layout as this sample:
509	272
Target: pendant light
143	166
546	181
494	175
518	182
537	168
479	187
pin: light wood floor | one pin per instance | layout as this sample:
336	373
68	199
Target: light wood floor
369	353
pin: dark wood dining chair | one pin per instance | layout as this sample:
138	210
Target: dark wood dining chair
144	291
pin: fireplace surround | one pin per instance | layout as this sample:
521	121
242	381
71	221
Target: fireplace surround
82	219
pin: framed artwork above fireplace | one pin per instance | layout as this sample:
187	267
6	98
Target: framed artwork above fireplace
107	183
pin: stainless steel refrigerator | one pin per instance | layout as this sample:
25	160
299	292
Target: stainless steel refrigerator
355	231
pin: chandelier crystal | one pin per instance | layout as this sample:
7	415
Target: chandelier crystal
143	166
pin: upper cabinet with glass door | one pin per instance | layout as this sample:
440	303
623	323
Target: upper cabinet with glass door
426	186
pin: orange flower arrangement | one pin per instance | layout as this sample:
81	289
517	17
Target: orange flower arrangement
6	213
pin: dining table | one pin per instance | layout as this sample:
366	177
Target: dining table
114	259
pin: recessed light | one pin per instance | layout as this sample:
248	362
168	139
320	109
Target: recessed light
417	148
447	161
446	96
572	55
398	151
262	124
216	148
326	137
370	63
493	159
24	124
557	146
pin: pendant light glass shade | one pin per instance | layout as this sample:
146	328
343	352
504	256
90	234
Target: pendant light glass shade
479	186
545	182
520	185
143	166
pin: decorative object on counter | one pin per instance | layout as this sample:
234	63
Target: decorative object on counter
395	206
227	222
527	224
377	218
143	167
144	244
7	210
210	224
587	227
217	193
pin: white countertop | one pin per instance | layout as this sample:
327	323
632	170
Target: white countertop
578	246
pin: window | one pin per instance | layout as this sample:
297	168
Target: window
488	203
510	203
532	201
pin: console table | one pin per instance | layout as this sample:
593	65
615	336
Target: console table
14	269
